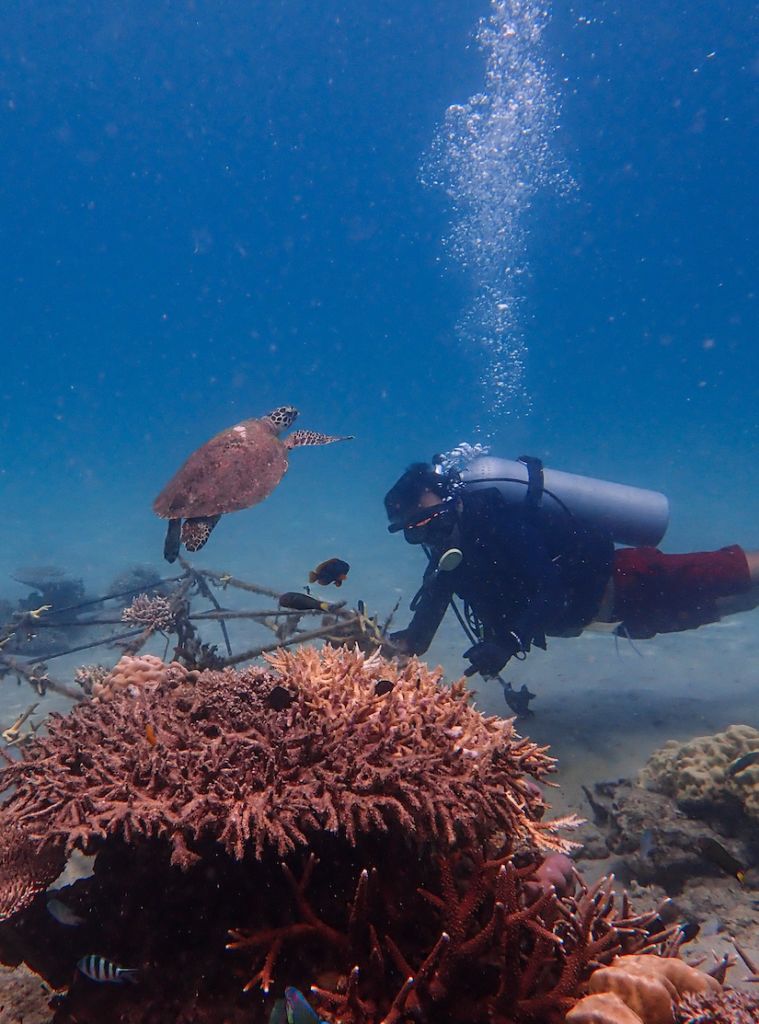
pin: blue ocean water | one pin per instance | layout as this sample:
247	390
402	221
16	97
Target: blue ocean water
211	209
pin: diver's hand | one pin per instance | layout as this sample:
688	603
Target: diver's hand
397	644
489	657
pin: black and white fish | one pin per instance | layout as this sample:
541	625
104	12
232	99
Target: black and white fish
97	968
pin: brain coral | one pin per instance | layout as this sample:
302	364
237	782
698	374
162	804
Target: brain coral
695	772
262	759
135	672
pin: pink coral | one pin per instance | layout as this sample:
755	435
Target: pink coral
723	1007
205	757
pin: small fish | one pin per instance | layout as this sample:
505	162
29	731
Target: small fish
63	914
689	930
299	1010
302	602
716	853
279	698
97	968
334	570
383	686
741	763
150	735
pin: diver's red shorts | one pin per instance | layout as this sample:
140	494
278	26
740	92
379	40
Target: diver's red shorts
658	593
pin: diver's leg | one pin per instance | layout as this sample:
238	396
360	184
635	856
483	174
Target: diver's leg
662	593
752	560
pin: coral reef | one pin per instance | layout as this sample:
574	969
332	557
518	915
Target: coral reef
695	774
26	868
657	843
227	766
90	676
155	613
648	986
135	675
360	798
488	950
725	1007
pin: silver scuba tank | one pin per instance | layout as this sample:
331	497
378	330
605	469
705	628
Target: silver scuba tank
632	515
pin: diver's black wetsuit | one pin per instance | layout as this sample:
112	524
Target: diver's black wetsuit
525	571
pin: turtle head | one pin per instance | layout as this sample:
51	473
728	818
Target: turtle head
282	418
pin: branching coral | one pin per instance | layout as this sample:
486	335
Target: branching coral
724	1007
150	612
194	759
478	948
26	869
90	676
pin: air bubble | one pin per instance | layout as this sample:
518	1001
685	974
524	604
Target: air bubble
491	156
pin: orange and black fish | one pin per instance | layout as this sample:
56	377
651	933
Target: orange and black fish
334	570
715	852
298	602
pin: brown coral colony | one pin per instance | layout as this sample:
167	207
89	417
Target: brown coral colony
231	768
367	815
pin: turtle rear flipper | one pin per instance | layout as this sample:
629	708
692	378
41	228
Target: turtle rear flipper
173	540
300	438
195	532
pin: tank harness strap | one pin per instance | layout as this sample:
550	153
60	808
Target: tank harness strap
535	482
428	579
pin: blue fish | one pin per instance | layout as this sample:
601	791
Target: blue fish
97	968
299	1011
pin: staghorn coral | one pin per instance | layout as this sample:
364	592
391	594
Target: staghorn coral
134	674
724	1007
195	758
476	949
340	813
150	612
26	869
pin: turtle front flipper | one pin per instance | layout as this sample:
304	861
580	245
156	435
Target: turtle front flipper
300	438
173	540
196	531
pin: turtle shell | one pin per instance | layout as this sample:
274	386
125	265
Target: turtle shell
236	469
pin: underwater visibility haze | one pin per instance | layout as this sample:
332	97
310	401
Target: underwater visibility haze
495	226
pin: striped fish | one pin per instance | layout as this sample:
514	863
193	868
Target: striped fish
97	968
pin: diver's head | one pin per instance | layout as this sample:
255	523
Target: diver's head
424	504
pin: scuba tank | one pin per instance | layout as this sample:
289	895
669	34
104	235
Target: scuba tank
631	515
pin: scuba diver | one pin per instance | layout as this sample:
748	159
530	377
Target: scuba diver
531	552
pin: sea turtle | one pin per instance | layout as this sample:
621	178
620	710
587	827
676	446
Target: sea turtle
236	469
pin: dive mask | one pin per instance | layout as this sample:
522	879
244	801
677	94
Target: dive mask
427	525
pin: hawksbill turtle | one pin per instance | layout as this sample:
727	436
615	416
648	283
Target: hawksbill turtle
235	469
